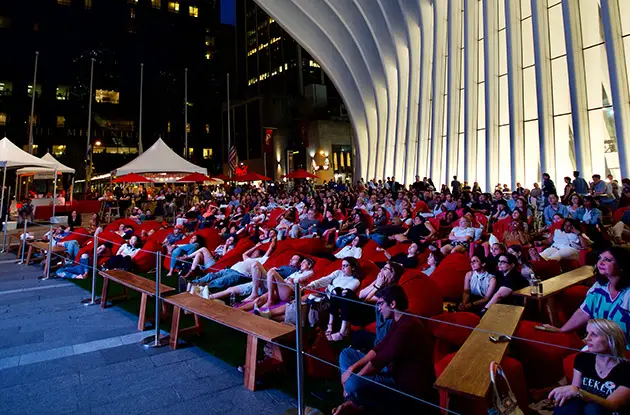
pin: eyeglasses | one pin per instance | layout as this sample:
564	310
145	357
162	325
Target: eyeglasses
606	259
345	265
379	303
503	262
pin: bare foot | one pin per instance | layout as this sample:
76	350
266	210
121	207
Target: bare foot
170	273
346	408
266	306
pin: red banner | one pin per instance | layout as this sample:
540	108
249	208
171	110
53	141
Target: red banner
268	141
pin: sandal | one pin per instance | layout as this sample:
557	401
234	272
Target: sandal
336	337
329	330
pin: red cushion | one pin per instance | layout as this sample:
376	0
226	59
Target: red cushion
569	300
424	296
546	269
369	271
544	363
144	260
210	236
451	333
450	275
149	225
81	235
112	227
304	246
272	219
234	255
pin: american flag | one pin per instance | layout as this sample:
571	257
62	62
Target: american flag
232	160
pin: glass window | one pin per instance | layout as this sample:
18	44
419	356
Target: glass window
556	31
6	88
58	149
168	127
188	127
560	86
207	153
3	118
505	172
107	97
157	4
193	11
565	146
591	31
596	69
527	42
38	90
63	93
173	6
530	97
88	4
526	9
207	128
504	101
481	107
35	147
532	153
61	121
190	151
624	11
64	2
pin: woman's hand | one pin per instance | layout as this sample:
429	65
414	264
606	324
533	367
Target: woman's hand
464	306
379	249
562	394
551	328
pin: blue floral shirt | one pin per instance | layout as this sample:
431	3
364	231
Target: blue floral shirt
599	304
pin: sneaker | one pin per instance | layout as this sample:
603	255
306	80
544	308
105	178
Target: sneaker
189	287
205	293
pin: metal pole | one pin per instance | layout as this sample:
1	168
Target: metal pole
6	220
186	113
155	340
4	180
24	240
50	237
88	167
93	300
30	130
298	348
140	149
229	123
265	162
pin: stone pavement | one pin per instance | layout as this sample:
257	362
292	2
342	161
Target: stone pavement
59	356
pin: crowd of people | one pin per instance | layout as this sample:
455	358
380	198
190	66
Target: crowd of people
506	234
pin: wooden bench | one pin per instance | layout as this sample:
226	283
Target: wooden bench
254	326
144	286
555	285
468	373
42	247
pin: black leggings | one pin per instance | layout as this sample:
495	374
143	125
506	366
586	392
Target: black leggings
345	303
120	262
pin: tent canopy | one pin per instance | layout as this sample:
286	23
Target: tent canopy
159	158
13	156
301	174
61	168
196	178
131	178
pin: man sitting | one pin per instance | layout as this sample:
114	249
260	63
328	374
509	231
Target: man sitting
402	360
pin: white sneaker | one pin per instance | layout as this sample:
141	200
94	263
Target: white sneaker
189	287
205	293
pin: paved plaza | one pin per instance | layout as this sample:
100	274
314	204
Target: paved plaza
59	356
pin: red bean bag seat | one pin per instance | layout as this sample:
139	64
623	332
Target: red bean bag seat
149	225
544	363
308	246
424	296
450	337
111	237
144	261
546	269
568	301
234	255
210	236
450	274
514	373
112	227
81	235
368	272
273	218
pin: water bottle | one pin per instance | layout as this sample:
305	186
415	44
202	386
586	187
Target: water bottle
533	284
232	299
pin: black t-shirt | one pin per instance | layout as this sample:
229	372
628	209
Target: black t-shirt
514	281
593	383
405	260
482	206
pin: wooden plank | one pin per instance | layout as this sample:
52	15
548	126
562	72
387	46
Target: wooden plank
262	328
44	246
469	371
559	283
250	362
135	282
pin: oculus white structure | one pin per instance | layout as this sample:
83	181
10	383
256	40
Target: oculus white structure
488	90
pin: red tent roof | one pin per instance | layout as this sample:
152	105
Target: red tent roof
131	178
224	177
301	174
195	177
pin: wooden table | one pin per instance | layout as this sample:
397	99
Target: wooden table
468	373
555	285
43	247
255	327
144	286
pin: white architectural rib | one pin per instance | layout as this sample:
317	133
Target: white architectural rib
455	26
439	87
471	89
426	71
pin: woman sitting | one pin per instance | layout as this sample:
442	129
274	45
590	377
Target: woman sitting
575	206
515	234
94	227
601	378
421	232
206	258
479	286
524	266
352	228
280	289
609	297
508	280
74	220
339	285
124	257
565	243
460	238
407	259
181	251
354	249
433	260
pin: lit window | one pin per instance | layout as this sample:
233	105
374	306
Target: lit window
190	151
38	90
6	88
3	118
64	2
58	150
88	4
173	6
157	4
132	1
193	11
132	13
188	128
98	149
208	55
63	93
61	121
5	22
35	147
168	126
207	153
107	97
207	128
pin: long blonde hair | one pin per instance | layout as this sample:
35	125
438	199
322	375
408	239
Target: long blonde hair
614	335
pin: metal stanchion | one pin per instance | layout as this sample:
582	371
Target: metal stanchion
49	253
155	340
298	348
4	236
93	300
24	240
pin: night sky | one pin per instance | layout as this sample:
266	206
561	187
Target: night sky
228	11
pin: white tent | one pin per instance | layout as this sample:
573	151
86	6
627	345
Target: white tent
159	158
61	168
13	156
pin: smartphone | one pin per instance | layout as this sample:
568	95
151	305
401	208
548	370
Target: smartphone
500	339
543	328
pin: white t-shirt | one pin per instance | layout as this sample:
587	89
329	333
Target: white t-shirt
334	280
460	232
245	266
562	239
299	276
348	250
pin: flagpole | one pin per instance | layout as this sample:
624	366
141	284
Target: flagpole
229	122
140	149
90	165
30	133
186	113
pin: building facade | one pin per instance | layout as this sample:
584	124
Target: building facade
494	91
281	93
165	37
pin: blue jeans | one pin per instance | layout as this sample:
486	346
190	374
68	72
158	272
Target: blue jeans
73	271
221	280
579	407
362	391
344	240
181	250
73	249
378	238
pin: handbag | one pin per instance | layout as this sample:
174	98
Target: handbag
503	399
290	313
